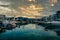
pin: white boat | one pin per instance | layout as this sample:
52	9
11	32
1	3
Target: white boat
53	25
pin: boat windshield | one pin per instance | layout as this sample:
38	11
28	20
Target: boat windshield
58	20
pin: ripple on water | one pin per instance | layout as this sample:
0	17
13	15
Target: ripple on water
30	31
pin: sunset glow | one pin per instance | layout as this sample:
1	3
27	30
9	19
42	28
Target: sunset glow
31	10
53	2
31	0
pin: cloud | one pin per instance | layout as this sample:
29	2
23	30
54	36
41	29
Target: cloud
7	11
14	4
4	3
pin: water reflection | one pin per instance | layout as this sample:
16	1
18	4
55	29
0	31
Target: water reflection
31	26
28	32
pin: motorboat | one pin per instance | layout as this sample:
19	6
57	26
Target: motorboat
53	25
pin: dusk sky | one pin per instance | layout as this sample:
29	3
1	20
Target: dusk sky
49	7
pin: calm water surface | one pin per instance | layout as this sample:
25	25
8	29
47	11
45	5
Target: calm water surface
29	32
